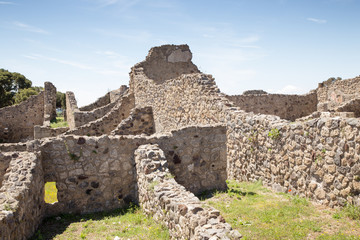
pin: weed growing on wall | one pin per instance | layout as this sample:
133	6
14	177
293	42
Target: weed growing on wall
274	134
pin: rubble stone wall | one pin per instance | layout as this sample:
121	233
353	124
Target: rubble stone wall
84	117
49	103
140	121
71	108
44	132
98	173
21	196
332	95
167	201
17	121
109	121
285	106
100	102
318	158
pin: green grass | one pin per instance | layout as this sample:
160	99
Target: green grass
50	192
58	122
259	213
126	223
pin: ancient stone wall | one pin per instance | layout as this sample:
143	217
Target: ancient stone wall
82	118
288	107
118	93
166	200
97	173
17	121
49	103
71	109
318	158
108	122
140	121
100	102
339	93
21	196
44	132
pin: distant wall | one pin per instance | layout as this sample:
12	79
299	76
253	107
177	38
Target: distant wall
285	106
102	101
44	132
332	95
22	196
71	108
49	103
17	121
118	93
97	173
108	122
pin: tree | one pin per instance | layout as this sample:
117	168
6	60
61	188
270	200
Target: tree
60	100
24	94
10	84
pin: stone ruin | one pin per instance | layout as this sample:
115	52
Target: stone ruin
169	136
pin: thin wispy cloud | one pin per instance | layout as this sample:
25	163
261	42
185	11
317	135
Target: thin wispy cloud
29	28
57	60
288	89
7	3
137	36
316	20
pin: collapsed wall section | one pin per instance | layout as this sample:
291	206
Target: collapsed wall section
161	196
100	102
21	196
285	106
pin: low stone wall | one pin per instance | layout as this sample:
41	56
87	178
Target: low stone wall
107	123
140	121
318	158
98	173
183	213
100	102
44	132
21	196
288	107
332	95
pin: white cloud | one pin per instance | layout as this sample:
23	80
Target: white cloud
26	27
62	61
316	20
288	89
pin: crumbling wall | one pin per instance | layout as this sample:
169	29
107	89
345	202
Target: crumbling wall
285	106
161	196
108	122
21	196
44	132
49	103
17	121
318	158
118	93
71	109
140	121
97	173
100	102
338	93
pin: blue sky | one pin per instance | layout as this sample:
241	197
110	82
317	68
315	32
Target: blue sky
89	46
